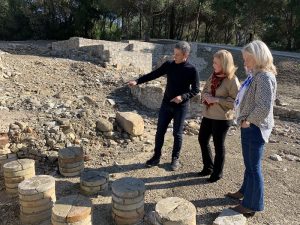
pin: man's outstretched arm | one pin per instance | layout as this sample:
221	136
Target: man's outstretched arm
162	70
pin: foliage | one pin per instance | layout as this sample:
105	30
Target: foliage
234	22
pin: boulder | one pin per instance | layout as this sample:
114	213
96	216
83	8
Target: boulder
131	122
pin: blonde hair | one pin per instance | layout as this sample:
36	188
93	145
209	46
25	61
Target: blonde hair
262	56
227	63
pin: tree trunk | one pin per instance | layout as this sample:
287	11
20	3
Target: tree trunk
141	25
172	23
197	23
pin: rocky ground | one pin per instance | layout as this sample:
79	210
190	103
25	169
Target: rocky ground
48	103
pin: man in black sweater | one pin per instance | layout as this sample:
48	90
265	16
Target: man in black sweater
182	85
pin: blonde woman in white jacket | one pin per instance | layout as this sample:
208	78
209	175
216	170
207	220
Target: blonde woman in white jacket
254	109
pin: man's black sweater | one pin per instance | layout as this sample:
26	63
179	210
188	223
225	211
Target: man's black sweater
182	79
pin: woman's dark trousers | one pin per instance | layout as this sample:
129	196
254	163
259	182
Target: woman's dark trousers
218	130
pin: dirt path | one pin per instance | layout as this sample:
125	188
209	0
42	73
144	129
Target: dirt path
29	94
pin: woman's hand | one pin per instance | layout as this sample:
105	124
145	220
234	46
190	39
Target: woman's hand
211	99
245	124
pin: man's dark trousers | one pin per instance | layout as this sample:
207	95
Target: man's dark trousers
167	112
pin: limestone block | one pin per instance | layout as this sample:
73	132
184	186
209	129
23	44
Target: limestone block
131	207
5	159
72	169
18	165
127	221
36	209
175	211
87	221
71	174
13	180
48	194
38	203
230	217
71	209
127	201
149	95
70	154
26	172
37	184
94	178
128	187
131	122
35	218
137	213
71	165
70	161
37	196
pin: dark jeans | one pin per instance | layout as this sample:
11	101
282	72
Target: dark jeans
218	130
253	184
168	112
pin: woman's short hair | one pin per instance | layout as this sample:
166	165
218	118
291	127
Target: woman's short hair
227	63
262	56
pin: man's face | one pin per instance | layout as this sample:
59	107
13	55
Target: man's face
179	56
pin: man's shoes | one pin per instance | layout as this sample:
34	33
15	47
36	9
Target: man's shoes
204	173
175	164
235	195
154	161
213	179
241	209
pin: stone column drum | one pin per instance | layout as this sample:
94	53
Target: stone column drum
72	210
5	154
37	196
70	161
17	171
175	211
128	201
93	181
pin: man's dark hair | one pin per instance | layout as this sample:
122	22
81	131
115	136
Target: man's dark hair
183	46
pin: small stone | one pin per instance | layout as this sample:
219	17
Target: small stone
290	157
104	125
71	136
273	141
111	102
148	142
230	217
276	157
113	143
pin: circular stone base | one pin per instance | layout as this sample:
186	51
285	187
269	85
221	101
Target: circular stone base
71	209
175	211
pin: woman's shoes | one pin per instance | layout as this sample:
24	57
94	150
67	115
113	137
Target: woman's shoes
235	195
241	209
